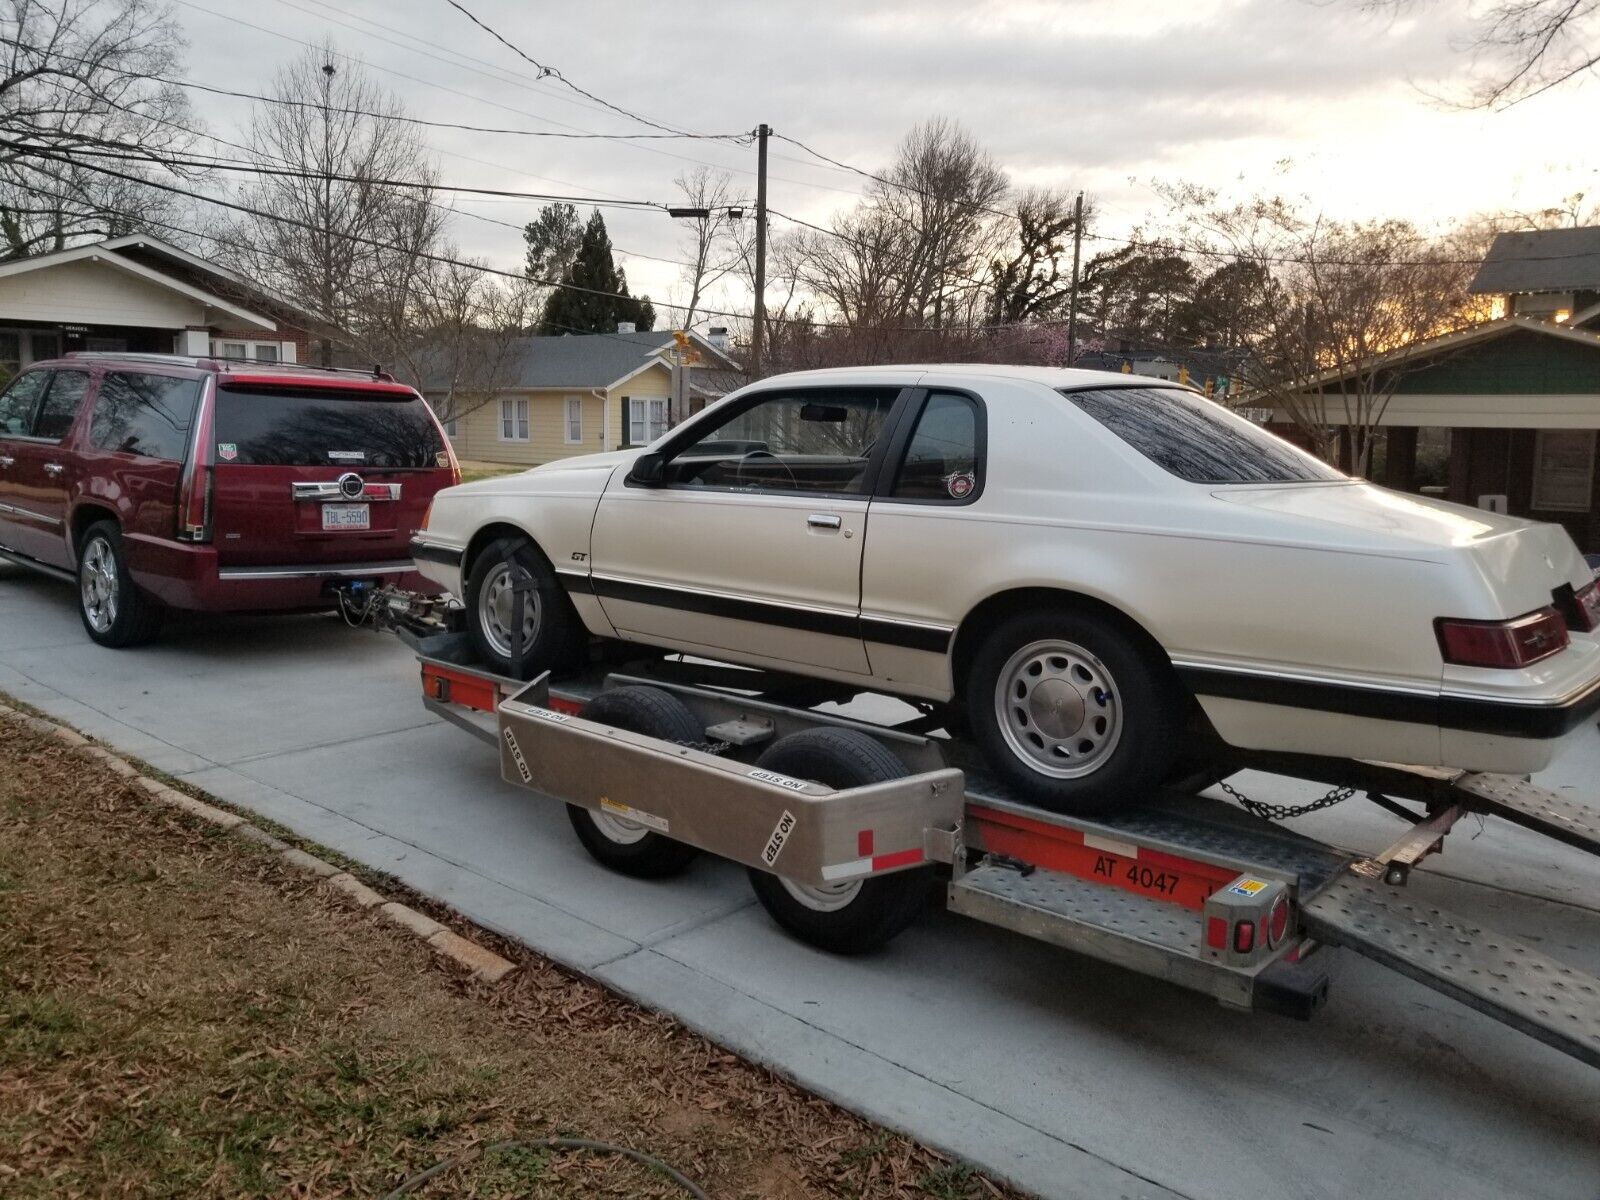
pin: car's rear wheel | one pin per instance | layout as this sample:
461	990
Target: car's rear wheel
115	611
848	916
506	570
1074	709
631	847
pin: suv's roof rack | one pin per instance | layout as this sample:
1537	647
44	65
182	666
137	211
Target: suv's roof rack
217	362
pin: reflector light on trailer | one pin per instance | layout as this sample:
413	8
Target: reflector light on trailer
1277	923
1244	937
1217	933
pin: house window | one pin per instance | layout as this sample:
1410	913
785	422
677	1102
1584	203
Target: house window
574	420
267	352
1563	470
233	350
513	420
647	419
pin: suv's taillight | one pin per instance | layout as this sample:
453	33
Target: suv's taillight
1514	643
194	488
1583	610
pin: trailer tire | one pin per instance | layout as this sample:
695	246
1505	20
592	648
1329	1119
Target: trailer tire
615	842
853	916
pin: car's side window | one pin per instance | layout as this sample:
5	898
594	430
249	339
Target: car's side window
942	459
18	403
61	404
808	441
148	415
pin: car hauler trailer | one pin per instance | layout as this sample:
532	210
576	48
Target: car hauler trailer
660	759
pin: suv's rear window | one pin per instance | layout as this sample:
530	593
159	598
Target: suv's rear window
309	427
1198	440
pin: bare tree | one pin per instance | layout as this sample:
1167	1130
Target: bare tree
1032	276
353	171
711	243
1524	47
80	86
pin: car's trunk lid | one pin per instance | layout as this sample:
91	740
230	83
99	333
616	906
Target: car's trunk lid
1524	560
318	475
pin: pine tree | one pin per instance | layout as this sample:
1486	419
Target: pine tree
604	298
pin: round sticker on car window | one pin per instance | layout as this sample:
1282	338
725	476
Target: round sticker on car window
960	485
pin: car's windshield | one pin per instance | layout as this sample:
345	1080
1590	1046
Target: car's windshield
1198	440
316	427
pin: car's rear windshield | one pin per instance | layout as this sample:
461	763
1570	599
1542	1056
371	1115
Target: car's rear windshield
1198	440
281	427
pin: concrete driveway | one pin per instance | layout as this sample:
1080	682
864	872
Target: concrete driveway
1070	1078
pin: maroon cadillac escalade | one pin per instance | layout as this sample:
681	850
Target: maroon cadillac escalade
161	482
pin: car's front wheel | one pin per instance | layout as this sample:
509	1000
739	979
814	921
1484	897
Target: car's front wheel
1074	710
510	579
115	611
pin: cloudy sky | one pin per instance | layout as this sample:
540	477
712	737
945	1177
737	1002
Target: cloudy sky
1303	97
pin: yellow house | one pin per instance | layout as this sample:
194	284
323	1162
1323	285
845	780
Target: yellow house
579	394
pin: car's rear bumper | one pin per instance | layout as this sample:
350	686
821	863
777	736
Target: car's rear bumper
440	562
189	577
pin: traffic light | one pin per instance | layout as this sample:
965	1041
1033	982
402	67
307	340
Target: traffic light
1183	374
1210	387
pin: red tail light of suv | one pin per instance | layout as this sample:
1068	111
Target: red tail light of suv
162	482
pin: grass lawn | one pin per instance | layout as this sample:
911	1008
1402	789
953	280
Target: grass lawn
181	1015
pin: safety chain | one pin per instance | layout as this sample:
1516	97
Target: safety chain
1283	812
706	747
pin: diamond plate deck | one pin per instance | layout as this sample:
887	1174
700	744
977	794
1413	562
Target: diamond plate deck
1533	808
1149	936
1493	974
1192	826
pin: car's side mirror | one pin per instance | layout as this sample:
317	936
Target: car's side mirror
648	470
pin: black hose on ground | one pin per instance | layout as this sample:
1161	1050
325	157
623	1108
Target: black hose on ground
638	1156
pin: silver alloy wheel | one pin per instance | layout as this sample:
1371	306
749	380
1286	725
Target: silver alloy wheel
618	829
98	584
1058	709
823	898
495	604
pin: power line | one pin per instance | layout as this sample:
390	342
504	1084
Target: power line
548	72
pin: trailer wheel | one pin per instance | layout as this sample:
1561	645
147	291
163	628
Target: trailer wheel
851	916
625	846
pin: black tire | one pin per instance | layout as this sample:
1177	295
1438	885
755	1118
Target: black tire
869	911
636	851
133	616
555	641
1145	702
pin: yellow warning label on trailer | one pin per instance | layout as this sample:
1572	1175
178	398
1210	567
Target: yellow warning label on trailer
1248	887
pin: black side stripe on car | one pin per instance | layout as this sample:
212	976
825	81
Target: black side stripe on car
435	553
785	616
1450	712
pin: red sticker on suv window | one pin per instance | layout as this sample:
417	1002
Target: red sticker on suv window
961	485
227	451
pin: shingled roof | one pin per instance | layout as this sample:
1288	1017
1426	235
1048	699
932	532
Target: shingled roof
1541	260
593	360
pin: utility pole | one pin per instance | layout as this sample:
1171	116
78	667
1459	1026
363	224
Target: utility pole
1072	296
758	329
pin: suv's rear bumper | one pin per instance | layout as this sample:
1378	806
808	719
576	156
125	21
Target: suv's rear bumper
188	577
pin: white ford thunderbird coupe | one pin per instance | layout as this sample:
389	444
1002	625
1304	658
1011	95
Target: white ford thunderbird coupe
1086	568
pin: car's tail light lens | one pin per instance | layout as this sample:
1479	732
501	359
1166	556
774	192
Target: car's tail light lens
194	487
1583	614
1509	644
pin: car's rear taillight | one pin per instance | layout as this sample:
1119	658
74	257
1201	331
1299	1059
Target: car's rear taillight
1583	610
1510	644
194	488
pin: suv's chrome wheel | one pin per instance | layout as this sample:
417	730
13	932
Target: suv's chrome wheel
97	584
497	611
1058	709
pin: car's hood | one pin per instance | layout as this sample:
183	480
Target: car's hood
580	473
1522	560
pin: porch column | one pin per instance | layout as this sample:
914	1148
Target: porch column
195	340
1400	463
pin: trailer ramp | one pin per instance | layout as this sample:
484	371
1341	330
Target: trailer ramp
1496	975
1535	808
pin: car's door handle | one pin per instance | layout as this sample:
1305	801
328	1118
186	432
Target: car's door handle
823	521
53	468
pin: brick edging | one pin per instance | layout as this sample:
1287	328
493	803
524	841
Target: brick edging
483	964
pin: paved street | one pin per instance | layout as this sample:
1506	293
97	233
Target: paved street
1071	1078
